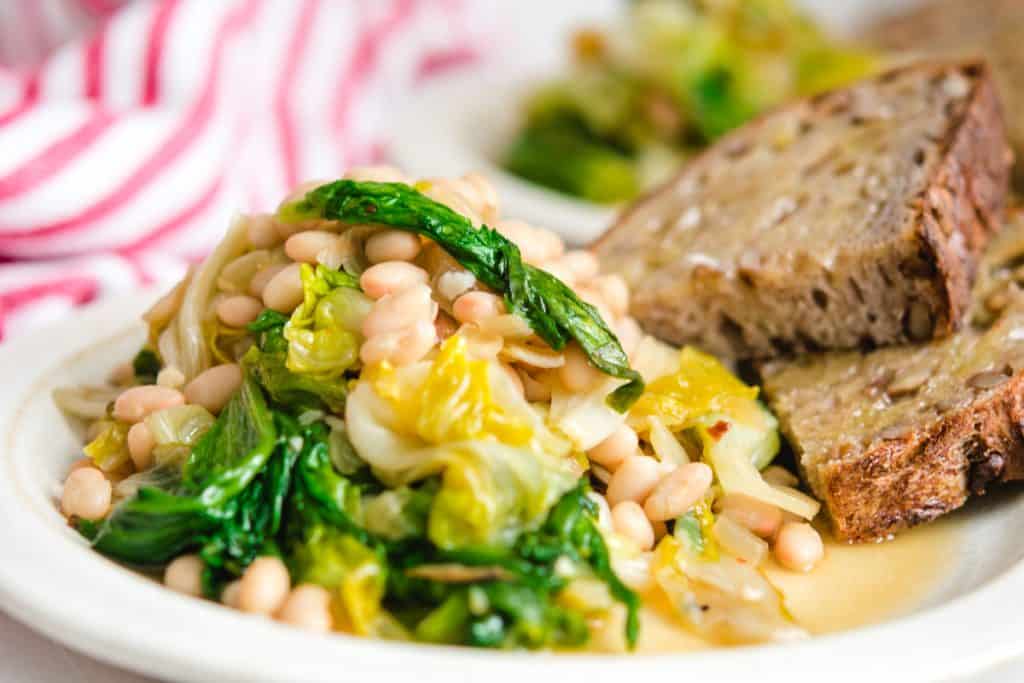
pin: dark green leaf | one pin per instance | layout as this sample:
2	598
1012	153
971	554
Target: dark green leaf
146	366
234	450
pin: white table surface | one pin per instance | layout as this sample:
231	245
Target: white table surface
26	657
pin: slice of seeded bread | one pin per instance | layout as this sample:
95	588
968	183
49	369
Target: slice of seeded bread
993	29
898	436
848	220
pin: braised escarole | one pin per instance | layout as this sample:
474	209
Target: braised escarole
405	416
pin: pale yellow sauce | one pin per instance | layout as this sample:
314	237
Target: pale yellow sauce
853	586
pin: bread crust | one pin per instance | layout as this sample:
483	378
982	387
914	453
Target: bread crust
930	471
976	166
922	277
953	29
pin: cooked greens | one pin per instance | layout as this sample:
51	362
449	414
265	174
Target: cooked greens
146	366
267	360
676	76
322	332
553	311
261	481
358	464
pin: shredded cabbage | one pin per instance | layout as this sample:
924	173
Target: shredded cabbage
501	467
109	450
85	402
699	386
737	434
322	333
718	596
586	418
354	572
176	431
733	456
182	344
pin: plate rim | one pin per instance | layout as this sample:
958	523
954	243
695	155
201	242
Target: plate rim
963	636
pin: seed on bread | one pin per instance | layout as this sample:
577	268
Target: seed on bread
950	422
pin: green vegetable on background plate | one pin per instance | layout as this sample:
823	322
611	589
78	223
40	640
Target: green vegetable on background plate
645	96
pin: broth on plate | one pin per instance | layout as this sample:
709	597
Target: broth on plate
855	585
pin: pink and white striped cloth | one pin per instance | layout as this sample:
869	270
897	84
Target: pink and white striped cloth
131	130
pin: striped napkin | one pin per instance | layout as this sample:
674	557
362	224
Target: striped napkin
131	130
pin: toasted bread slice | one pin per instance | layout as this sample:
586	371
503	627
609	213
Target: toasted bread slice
993	29
852	219
898	436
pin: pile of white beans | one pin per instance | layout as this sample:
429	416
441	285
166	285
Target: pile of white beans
420	296
643	493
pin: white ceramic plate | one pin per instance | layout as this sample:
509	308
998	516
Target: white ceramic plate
53	582
447	130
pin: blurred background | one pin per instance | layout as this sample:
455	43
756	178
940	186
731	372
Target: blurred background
132	130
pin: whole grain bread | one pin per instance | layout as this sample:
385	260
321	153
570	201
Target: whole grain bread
993	29
898	436
853	218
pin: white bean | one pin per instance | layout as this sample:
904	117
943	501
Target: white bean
678	491
264	587
583	264
552	245
779	476
239	311
262	231
170	376
629	520
618	446
634	479
533	250
393	245
185	575
82	462
559	271
308	606
400	347
86	494
391	277
306	246
262	277
759	517
577	374
229	596
213	388
615	293
140	446
472	307
123	374
481	194
798	547
135	404
400	310
629	333
284	291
